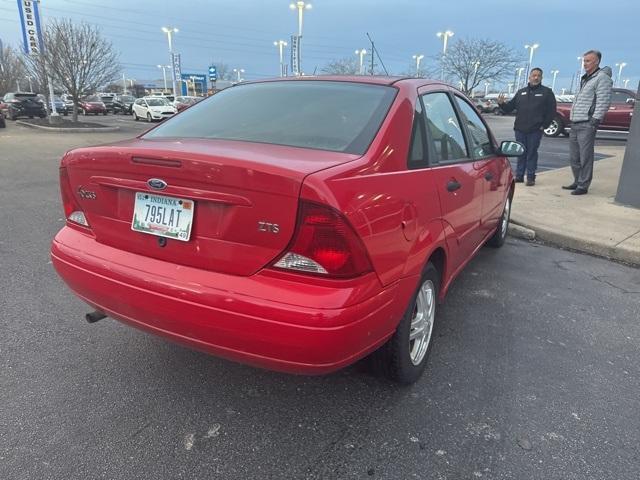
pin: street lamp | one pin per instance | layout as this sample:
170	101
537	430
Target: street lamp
281	44
170	31
362	53
31	85
444	35
621	66
626	80
301	7
164	74
417	58
553	84
531	48
486	88
475	74
238	71
519	70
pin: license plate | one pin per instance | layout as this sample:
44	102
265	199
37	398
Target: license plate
163	216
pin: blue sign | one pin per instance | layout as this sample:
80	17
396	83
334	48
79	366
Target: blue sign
213	73
193	83
30	23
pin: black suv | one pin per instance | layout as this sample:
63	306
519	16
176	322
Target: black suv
22	104
108	102
122	104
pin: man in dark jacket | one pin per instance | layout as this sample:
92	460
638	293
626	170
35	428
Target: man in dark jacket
536	107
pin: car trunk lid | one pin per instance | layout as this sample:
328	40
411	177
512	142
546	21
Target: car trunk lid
245	196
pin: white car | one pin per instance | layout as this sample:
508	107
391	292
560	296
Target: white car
153	108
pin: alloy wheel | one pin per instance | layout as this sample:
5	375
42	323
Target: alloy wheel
422	321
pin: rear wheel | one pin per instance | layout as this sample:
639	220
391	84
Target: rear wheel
149	117
135	116
404	357
500	235
555	128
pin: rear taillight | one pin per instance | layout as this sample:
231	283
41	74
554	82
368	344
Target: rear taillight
72	210
325	244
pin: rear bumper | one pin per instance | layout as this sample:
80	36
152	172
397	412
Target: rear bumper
265	320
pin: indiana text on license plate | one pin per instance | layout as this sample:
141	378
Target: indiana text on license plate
164	216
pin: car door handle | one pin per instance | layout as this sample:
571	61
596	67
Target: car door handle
488	176
453	185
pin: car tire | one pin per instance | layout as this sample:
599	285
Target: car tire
403	359
2	123
149	119
496	111
555	128
500	235
135	116
104	113
11	115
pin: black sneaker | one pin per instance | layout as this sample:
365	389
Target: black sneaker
573	186
519	179
530	183
579	191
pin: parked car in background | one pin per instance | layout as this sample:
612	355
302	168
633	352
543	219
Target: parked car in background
618	117
92	105
295	239
153	108
185	102
122	104
61	107
107	99
22	104
487	105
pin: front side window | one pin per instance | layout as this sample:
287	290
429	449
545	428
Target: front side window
620	97
443	127
324	115
479	140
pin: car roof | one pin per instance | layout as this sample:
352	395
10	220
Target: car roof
368	79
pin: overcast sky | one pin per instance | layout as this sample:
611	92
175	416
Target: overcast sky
240	33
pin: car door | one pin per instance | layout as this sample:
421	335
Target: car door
620	112
493	167
457	179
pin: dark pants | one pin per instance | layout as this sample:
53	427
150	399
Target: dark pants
528	161
581	140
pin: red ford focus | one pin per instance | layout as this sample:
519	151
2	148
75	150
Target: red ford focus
297	225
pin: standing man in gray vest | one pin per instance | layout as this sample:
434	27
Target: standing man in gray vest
589	108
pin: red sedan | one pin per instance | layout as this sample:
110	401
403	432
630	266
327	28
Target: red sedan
92	105
297	225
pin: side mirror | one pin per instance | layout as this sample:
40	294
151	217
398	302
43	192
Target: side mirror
631	101
510	148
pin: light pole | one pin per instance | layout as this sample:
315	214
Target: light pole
30	84
301	7
238	71
519	70
444	35
486	88
362	52
475	74
626	80
124	83
170	31
417	58
553	84
531	48
281	44
510	87
164	74
193	84
620	66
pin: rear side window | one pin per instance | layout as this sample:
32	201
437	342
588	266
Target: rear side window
443	127
479	141
336	116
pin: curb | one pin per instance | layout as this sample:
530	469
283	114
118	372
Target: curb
519	231
68	130
619	254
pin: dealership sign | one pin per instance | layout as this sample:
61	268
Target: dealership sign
30	22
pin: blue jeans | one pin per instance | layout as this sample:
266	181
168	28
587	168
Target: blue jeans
528	161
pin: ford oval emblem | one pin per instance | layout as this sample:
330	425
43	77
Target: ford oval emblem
157	184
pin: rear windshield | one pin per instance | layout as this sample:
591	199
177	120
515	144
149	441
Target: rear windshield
25	95
325	115
157	102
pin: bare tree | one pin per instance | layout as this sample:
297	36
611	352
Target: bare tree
224	72
343	66
12	70
79	58
471	62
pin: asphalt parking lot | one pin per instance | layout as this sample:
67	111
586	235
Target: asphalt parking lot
534	372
